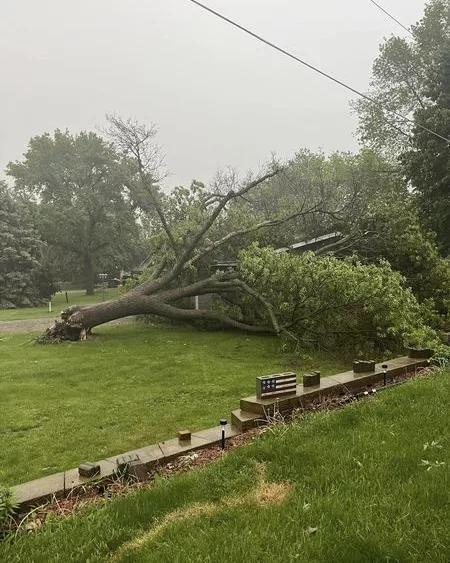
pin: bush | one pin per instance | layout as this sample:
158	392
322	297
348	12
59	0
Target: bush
441	356
7	508
333	303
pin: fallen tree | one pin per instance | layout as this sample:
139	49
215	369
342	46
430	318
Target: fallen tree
333	303
175	273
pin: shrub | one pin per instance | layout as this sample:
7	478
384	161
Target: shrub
7	508
441	356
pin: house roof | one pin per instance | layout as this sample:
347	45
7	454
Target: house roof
305	244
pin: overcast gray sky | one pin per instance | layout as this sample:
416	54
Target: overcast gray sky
217	96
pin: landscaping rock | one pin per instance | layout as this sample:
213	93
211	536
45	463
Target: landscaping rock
137	470
124	462
311	379
420	352
363	366
89	469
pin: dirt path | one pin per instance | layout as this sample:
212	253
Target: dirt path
33	325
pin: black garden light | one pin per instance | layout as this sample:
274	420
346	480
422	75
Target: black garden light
384	368
223	423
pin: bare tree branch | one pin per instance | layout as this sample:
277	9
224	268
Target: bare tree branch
208	285
183	261
130	137
263	300
263	224
200	314
345	243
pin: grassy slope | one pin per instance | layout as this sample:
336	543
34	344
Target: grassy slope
133	386
76	297
356	476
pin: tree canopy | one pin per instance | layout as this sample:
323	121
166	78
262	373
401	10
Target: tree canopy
82	208
400	81
411	77
427	162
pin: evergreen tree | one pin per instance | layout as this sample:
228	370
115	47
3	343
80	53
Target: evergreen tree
20	250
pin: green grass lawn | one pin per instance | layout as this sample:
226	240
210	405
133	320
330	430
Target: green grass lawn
133	386
76	297
367	484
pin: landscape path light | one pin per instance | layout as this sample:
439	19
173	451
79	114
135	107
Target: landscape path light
384	368
223	423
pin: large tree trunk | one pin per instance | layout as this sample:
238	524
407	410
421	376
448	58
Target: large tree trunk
89	274
77	321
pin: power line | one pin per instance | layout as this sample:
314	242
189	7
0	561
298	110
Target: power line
392	17
315	69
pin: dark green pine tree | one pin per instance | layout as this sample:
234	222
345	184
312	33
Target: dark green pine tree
20	250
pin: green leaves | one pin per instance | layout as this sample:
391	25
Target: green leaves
81	206
8	507
426	164
339	304
400	81
411	77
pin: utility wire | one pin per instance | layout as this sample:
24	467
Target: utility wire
391	16
315	69
396	21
